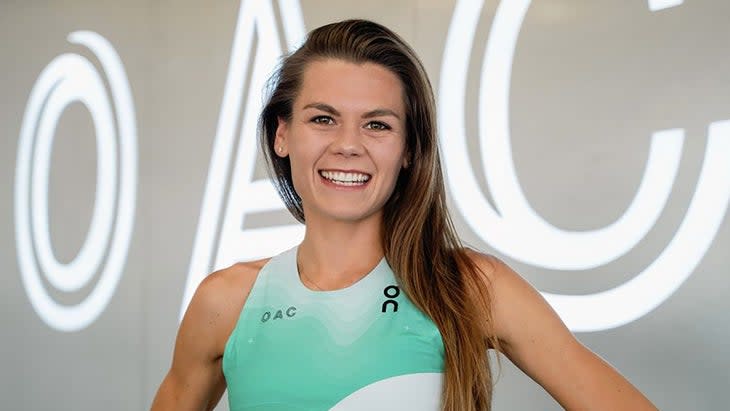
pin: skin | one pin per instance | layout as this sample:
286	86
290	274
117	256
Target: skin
350	117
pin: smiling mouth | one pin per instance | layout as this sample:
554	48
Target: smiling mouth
345	178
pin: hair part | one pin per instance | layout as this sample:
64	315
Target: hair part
419	239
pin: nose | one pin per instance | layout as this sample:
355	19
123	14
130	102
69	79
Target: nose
348	141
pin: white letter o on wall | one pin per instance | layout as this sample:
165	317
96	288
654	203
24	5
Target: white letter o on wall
67	79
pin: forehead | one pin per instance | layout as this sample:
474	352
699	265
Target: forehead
350	86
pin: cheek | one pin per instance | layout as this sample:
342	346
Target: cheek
296	174
393	165
302	163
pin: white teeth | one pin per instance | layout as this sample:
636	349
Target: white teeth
349	179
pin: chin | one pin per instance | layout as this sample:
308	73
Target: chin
348	214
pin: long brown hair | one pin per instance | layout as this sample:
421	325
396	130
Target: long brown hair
419	239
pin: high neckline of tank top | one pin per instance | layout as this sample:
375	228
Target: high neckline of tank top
368	278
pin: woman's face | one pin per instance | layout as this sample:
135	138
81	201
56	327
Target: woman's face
345	140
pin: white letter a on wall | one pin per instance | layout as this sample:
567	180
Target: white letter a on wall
230	191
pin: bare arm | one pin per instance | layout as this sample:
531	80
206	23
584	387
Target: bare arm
195	381
536	340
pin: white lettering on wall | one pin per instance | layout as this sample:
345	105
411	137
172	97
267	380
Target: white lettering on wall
67	79
230	192
516	230
656	5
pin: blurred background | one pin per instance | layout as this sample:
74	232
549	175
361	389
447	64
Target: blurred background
586	143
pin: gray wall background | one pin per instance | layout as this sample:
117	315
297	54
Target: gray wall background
591	81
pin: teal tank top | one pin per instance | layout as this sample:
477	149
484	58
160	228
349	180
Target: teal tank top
364	347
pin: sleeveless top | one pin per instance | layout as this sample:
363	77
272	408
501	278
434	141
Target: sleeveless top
364	347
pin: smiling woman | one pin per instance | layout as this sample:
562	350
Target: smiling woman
345	141
380	306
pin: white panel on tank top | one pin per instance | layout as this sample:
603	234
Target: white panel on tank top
420	392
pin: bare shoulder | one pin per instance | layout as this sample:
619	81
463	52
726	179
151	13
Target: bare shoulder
230	282
218	300
514	301
489	265
501	276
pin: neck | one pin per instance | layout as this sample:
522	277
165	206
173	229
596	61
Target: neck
336	254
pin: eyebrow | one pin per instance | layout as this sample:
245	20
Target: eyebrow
378	112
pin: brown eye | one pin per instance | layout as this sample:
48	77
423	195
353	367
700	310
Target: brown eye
324	120
377	125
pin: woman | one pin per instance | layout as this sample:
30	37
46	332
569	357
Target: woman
380	306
